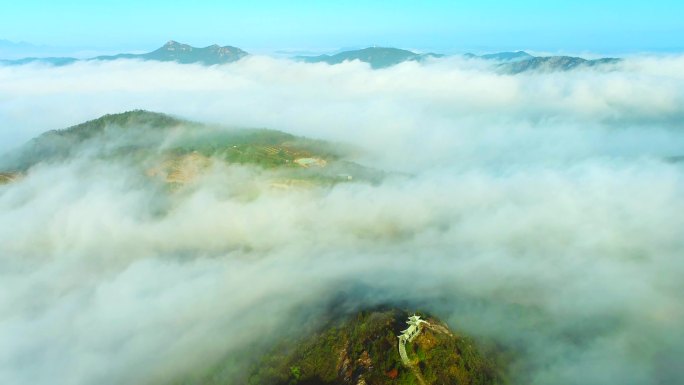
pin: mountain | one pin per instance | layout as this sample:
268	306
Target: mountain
186	54
126	130
177	151
377	57
520	61
171	51
364	349
553	64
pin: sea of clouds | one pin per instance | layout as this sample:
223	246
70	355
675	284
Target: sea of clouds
542	211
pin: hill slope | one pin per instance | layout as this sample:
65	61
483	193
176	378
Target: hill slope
126	130
178	150
363	349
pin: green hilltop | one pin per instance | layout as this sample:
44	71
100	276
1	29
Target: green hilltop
363	349
178	150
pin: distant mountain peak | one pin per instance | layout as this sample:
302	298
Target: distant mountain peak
173	45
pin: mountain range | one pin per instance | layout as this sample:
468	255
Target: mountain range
172	51
377	57
504	62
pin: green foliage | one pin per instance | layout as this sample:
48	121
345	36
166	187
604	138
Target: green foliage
295	374
160	142
130	119
366	345
148	134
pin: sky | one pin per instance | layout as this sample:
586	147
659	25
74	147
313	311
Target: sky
268	25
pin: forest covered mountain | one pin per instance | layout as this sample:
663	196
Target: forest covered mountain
178	151
363	349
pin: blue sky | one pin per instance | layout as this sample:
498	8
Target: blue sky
263	25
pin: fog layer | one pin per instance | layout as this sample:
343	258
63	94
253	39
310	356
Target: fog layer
540	211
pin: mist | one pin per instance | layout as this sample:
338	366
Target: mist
539	211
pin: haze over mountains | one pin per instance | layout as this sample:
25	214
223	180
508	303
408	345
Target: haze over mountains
376	57
171	51
552	64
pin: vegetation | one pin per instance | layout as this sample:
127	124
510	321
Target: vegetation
363	349
164	144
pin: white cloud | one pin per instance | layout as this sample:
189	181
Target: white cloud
539	212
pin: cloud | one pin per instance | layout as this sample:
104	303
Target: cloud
538	211
349	101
